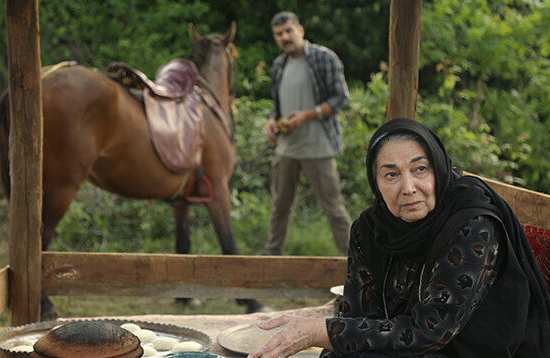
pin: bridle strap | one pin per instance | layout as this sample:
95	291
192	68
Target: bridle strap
213	103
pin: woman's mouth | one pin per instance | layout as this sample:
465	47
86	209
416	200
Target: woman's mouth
412	205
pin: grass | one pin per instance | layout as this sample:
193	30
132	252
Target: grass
100	306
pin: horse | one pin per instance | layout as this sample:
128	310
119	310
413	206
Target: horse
96	130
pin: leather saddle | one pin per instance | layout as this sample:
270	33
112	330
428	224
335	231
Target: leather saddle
173	109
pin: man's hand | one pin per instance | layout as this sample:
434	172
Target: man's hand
296	119
271	130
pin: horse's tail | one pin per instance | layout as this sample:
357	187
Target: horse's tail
4	142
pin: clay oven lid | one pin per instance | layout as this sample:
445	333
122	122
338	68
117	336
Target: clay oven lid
88	339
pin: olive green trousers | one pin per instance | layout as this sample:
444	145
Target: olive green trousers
322	175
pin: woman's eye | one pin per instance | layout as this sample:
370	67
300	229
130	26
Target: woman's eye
390	176
421	168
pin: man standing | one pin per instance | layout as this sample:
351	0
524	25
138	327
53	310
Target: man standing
308	88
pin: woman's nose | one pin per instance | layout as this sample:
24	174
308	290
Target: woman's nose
408	184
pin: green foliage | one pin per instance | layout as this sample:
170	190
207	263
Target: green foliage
364	114
489	63
146	34
253	150
142	33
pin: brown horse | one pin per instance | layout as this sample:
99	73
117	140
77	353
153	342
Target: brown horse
95	129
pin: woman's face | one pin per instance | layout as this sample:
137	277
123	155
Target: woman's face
405	179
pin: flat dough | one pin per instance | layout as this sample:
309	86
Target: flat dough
148	351
22	342
26	349
187	346
130	327
145	335
164	343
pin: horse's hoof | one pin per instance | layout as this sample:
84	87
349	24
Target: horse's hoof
256	307
183	301
193	302
48	311
252	306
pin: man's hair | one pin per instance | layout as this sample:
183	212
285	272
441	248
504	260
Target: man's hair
284	16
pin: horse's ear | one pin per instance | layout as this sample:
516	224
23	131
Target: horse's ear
230	34
195	37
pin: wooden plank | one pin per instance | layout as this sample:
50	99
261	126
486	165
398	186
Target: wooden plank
404	47
161	275
531	207
4	292
25	157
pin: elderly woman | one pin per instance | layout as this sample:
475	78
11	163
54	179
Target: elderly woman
439	266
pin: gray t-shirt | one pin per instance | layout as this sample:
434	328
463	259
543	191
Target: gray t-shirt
296	93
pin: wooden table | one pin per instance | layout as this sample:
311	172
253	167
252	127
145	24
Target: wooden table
213	325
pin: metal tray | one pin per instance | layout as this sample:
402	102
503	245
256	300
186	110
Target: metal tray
34	331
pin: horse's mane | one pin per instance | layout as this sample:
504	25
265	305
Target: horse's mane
201	49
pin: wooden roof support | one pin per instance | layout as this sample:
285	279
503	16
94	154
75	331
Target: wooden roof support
25	161
404	47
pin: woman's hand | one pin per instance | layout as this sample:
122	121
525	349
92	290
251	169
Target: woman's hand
297	333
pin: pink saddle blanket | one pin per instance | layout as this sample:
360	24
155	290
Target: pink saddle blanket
173	111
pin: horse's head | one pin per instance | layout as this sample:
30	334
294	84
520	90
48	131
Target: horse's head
213	55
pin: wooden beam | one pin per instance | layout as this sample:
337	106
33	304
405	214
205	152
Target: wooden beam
4	291
531	207
25	157
160	275
404	47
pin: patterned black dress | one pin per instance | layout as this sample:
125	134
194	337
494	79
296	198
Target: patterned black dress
373	320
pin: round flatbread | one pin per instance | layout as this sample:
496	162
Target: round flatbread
130	327
145	335
187	346
164	343
149	351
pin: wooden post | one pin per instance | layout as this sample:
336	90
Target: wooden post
404	46
25	160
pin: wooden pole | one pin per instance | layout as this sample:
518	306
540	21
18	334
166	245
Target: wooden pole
404	46
25	156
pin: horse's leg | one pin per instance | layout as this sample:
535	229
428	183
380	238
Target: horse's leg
64	172
181	219
183	240
53	209
219	209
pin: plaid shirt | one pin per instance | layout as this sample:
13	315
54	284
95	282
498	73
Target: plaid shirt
329	85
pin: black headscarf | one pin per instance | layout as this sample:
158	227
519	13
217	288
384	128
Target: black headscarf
382	234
